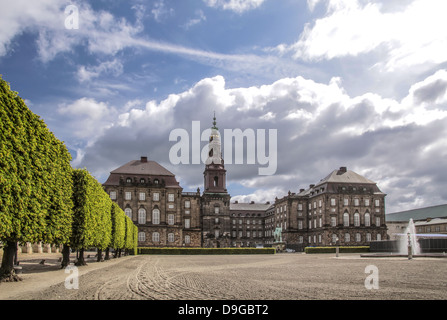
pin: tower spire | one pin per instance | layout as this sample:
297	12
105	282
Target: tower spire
214	122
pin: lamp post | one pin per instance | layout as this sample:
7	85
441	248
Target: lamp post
337	248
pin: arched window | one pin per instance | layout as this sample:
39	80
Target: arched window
334	238
155	237
187	239
216	181
170	237
367	219
347	237
141	236
128	212
155	216
346	219
142	216
356	219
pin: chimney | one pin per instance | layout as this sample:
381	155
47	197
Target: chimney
301	190
236	201
252	202
311	186
268	202
143	159
343	169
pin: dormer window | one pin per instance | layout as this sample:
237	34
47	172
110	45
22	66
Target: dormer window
156	181
129	180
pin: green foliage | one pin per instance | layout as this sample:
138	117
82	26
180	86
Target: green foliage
129	242
118	226
92	223
196	251
35	176
342	249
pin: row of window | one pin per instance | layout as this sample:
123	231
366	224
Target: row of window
142	197
334	238
356	203
142	217
156	237
346	221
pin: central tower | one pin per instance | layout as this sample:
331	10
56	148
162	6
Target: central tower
215	199
215	173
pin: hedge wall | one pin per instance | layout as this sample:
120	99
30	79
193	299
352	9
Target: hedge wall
358	249
207	251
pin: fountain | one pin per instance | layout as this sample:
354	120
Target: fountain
408	240
408	245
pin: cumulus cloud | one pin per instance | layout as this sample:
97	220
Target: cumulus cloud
320	127
410	34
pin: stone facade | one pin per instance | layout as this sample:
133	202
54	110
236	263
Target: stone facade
344	208
150	195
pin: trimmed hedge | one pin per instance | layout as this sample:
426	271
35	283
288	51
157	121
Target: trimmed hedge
358	249
198	251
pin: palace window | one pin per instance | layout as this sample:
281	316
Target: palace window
333	221
128	196
357	219
187	223
128	212
187	239
171	219
155	216
170	237
346	219
142	216
187	204
170	197
141	236
142	196
332	201
377	221
113	195
155	237
358	237
347	237
156	196
367	220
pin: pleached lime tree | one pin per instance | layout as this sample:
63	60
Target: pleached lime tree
92	223
118	228
35	180
130	242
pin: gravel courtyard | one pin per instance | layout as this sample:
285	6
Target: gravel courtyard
290	276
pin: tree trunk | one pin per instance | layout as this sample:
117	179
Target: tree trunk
65	256
81	260
107	256
99	258
7	272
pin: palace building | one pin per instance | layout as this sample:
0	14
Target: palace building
344	208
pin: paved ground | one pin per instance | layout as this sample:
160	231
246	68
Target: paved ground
288	276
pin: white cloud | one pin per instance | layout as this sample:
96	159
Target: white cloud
411	36
200	16
238	6
113	67
320	127
87	118
160	11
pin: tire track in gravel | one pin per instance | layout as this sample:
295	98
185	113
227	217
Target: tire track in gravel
152	281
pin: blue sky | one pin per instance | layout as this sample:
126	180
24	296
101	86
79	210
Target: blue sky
355	83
